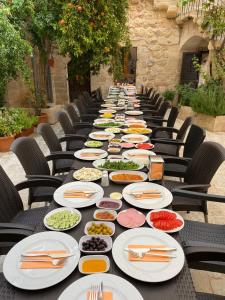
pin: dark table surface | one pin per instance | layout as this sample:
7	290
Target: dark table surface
178	288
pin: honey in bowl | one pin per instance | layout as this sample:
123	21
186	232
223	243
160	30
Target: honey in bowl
95	265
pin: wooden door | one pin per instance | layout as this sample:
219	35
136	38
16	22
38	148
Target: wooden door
188	72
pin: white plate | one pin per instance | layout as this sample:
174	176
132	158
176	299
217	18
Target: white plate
107	105
99	121
78	202
36	279
103	154
111	111
132	138
87	178
121	288
134	112
144	176
72	210
168	231
106	238
128	155
109	224
147	271
132	121
99	162
103	138
112	212
162	202
94	257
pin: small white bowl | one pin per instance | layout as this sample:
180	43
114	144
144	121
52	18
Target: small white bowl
113	212
93	257
118	202
106	238
110	224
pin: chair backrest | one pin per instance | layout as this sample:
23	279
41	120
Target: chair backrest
158	103
204	164
72	113
80	105
172	116
195	138
49	136
163	108
183	129
11	202
65	123
30	156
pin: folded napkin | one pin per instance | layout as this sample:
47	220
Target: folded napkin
77	194
148	257
147	196
90	154
106	295
42	264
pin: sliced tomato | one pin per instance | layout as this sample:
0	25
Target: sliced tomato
167	224
162	215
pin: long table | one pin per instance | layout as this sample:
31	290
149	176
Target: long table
179	288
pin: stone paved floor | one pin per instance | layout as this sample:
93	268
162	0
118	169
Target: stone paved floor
203	281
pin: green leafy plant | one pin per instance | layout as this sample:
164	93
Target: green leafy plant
8	125
185	92
209	99
169	95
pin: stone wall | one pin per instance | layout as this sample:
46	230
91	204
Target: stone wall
103	80
157	40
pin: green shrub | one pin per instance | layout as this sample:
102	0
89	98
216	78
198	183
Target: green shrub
169	95
209	99
185	92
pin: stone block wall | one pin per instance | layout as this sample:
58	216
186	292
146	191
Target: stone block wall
157	40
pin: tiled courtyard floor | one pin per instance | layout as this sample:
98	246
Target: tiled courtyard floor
203	281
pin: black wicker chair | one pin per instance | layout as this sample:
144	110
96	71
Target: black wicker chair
76	120
152	107
160	113
198	175
195	138
6	291
35	165
15	223
204	243
53	143
68	128
155	121
160	133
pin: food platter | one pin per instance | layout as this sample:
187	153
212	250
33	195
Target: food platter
101	135
90	154
129	177
87	174
135	138
116	165
134	112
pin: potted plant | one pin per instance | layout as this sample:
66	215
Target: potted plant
8	129
169	95
38	103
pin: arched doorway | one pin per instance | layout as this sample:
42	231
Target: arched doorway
195	46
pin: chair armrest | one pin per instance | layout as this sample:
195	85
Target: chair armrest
73	137
46	177
167	129
176	160
37	181
60	155
167	142
16	226
195	251
197	195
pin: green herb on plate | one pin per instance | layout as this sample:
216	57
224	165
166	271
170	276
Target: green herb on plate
119	165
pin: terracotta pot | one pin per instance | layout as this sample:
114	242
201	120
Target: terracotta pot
25	132
43	118
5	143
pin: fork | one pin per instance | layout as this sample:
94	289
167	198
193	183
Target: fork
141	254
55	262
52	255
93	295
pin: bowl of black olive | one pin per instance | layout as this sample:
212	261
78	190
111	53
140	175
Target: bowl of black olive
95	244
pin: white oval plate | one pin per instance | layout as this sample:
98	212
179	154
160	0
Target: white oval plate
134	112
99	162
103	154
106	238
36	279
145	160
105	136
147	271
109	224
135	138
107	105
162	202
70	209
134	121
168	231
144	176
99	121
120	288
78	202
111	111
